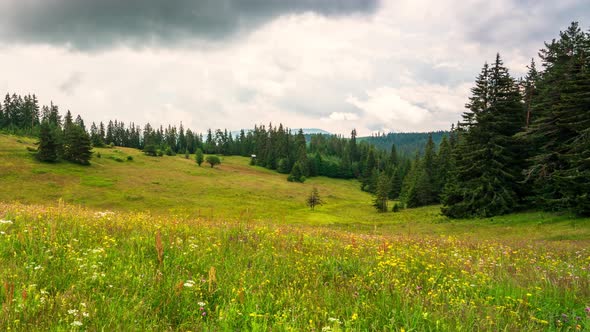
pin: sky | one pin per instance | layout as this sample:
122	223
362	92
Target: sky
370	65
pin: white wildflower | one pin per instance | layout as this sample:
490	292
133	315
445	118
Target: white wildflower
8	222
76	323
334	320
189	283
326	329
72	311
201	304
102	214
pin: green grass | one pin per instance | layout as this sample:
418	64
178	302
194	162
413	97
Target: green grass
137	245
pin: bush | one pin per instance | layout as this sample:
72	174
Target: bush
150	150
213	160
129	158
396	208
98	155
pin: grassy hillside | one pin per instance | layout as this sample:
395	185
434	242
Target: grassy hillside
164	185
160	244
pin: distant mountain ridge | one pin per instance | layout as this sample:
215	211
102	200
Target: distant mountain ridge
405	143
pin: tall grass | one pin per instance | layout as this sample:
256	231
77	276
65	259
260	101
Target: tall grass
66	267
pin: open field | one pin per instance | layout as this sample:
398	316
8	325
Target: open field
160	243
65	266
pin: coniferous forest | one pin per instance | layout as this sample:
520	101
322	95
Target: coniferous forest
522	143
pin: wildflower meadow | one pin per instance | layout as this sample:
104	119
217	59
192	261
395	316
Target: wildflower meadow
70	268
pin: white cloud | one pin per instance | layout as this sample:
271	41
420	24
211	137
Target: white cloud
408	67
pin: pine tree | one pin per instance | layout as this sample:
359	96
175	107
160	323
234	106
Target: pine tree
529	88
558	133
490	163
77	145
445	163
369	173
48	150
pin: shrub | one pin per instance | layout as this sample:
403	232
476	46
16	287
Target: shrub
213	160
129	158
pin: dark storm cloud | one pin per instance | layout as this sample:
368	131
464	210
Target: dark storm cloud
91	24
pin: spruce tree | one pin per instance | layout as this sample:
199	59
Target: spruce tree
77	146
490	163
48	149
558	134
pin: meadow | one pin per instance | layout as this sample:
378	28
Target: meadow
162	244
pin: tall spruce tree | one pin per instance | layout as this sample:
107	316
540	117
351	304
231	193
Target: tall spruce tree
559	168
490	163
77	145
48	149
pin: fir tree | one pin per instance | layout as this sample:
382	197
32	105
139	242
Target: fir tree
77	146
491	158
558	133
48	150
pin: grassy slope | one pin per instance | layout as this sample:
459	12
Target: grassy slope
236	190
277	263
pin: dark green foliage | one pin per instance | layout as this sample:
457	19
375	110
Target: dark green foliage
559	131
48	143
199	158
314	199
213	160
129	158
150	150
406	144
369	176
77	145
489	158
282	167
445	163
382	191
186	154
296	174
396	208
169	152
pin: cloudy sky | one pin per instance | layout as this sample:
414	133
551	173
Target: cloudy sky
390	65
